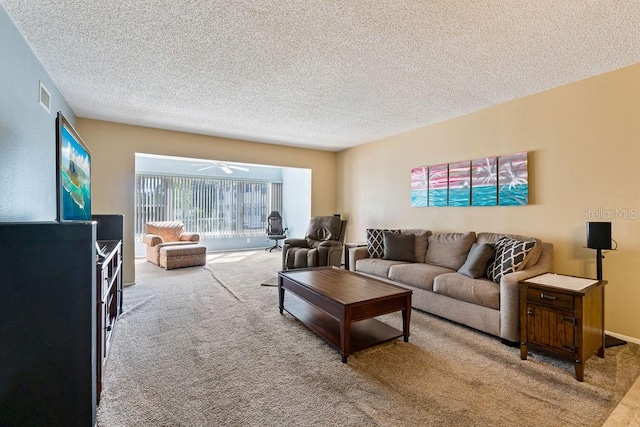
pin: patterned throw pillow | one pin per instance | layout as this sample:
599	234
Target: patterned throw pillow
375	242
510	256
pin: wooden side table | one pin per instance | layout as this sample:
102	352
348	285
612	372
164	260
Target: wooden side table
563	315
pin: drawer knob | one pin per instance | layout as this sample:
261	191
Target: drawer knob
549	297
530	312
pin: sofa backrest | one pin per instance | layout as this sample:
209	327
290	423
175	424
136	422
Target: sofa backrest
459	244
449	250
323	228
169	231
421	241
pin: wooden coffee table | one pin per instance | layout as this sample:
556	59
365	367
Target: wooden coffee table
340	306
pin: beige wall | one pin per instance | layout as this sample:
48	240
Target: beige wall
584	154
113	147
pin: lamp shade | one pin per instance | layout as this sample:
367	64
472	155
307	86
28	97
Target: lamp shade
599	235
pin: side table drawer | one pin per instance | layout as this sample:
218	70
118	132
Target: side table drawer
550	298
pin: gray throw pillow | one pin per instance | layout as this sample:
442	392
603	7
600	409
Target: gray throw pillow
476	264
399	247
375	244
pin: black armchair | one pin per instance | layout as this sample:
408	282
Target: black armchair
275	231
321	246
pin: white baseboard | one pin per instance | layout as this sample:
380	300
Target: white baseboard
623	337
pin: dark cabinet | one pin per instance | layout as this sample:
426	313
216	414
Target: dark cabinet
566	321
48	324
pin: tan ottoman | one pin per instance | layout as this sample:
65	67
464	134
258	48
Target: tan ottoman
179	256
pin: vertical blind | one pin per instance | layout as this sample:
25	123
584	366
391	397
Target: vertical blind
212	207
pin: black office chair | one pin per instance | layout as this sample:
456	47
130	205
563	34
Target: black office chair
275	231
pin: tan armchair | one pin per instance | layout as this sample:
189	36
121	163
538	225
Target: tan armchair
160	234
321	246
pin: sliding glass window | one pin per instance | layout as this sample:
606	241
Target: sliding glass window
212	207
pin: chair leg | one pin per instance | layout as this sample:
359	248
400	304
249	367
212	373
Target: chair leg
275	246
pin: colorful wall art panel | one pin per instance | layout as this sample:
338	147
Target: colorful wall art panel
460	183
420	186
484	181
490	181
513	180
438	185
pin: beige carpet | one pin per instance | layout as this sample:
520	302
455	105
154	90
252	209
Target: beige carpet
206	346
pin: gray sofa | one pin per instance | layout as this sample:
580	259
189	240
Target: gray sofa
449	278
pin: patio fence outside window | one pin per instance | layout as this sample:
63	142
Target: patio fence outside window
212	207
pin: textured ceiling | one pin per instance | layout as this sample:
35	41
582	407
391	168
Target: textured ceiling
321	74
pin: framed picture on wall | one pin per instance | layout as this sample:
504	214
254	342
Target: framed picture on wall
438	185
420	186
484	181
513	179
460	183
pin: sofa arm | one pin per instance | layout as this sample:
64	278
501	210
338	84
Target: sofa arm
510	293
354	254
347	248
289	243
189	237
329	244
298	243
152	239
329	254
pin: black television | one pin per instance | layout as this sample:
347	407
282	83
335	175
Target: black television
73	173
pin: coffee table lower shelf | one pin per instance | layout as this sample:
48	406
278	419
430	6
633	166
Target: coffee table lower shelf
364	333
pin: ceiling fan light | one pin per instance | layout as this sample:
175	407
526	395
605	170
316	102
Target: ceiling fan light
222	166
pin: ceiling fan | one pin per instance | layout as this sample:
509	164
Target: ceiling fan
222	166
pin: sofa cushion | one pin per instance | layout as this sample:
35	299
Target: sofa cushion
482	292
476	264
510	256
420	275
422	241
532	257
375	242
399	247
178	256
376	266
182	250
449	249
